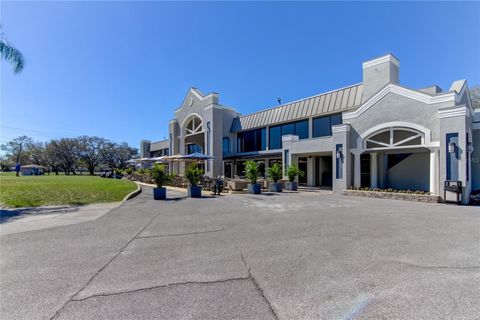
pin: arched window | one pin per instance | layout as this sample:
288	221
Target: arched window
194	126
395	138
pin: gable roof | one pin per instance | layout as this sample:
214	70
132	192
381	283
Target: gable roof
329	102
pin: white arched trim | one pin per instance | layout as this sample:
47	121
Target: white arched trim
198	128
399	125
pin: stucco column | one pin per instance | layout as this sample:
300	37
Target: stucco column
310	171
433	171
373	170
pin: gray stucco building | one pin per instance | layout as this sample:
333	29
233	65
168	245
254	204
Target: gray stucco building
377	133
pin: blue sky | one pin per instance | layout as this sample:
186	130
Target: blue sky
119	69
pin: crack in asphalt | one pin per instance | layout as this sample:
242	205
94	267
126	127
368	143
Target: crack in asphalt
104	266
248	277
259	289
180	234
160	287
435	267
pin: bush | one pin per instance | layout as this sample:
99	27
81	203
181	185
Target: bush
129	171
251	171
293	171
193	174
160	175
275	172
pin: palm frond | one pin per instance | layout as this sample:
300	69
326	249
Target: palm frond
12	55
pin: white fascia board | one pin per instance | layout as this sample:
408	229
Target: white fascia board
393	88
461	111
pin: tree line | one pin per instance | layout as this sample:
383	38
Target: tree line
70	155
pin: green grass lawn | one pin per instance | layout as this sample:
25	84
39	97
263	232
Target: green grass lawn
32	191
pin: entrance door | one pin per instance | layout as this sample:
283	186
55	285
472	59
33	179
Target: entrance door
365	170
327	171
227	169
302	165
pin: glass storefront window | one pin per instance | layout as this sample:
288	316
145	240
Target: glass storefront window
252	140
299	128
226	145
192	148
322	126
275	137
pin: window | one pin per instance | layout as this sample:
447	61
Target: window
394	138
193	148
299	128
194	126
275	137
159	153
226	145
252	140
322	126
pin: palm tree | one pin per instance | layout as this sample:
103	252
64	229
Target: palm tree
11	54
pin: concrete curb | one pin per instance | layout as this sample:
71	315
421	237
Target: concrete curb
133	194
168	187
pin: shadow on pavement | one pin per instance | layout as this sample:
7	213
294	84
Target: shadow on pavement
9	215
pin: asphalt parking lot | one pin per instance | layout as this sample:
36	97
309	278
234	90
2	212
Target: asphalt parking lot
307	255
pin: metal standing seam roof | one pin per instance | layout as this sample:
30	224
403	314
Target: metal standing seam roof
159	145
329	102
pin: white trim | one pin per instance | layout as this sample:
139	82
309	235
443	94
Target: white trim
183	128
391	144
340	128
383	59
402	124
216	106
449	113
398	124
433	172
393	88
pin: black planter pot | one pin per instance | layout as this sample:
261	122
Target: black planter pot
254	188
276	187
291	186
159	193
194	191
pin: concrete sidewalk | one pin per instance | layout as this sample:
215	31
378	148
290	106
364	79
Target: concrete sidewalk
37	218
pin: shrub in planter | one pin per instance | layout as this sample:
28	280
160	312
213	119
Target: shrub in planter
292	173
159	176
275	173
251	171
193	175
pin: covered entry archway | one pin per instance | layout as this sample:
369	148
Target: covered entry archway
194	135
398	158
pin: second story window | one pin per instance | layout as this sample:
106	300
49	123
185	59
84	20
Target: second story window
322	126
298	128
252	140
226	145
